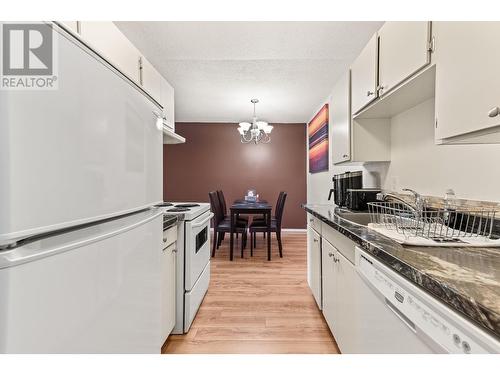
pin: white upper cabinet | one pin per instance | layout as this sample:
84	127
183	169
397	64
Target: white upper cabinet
340	120
150	79
403	50
467	79
73	26
364	76
168	103
110	43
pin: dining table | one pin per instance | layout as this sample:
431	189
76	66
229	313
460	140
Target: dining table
241	206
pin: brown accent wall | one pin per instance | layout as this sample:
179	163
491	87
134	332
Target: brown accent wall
213	158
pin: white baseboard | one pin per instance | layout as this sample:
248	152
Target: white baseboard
289	230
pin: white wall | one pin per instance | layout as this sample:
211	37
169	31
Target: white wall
473	171
319	184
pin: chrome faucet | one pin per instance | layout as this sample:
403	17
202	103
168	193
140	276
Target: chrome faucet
419	200
418	207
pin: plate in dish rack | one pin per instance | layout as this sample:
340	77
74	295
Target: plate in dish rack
478	241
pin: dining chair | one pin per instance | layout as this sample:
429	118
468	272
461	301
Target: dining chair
240	219
222	224
261	218
261	226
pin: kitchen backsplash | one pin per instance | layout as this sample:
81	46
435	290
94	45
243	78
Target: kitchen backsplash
438	202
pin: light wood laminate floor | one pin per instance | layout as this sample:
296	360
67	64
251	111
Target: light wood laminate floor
256	306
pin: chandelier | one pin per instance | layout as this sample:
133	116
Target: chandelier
257	131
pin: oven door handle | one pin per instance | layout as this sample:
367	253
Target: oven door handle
204	221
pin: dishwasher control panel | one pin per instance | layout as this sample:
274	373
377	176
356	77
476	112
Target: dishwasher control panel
423	314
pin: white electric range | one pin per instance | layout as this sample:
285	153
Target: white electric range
193	259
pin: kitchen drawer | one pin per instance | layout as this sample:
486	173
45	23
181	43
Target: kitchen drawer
314	222
169	236
343	244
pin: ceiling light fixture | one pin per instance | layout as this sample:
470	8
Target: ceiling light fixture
257	131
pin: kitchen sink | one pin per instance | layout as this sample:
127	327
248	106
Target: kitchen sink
359	218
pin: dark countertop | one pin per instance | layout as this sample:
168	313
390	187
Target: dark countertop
465	279
169	221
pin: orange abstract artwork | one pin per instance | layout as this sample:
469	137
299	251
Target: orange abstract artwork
317	131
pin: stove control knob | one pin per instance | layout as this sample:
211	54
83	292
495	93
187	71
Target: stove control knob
456	339
466	347
445	329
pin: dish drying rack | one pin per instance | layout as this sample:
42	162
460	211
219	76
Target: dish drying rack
470	226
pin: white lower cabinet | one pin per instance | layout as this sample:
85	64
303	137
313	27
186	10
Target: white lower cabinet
347	295
314	263
330	301
168	277
340	285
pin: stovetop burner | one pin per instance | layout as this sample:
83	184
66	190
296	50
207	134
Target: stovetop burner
187	205
164	204
178	209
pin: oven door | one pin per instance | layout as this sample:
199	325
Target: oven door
197	248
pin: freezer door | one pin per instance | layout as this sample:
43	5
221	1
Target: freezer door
86	151
96	290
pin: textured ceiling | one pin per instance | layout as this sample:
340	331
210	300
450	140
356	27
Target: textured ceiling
217	67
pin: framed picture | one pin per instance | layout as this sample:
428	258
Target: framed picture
317	131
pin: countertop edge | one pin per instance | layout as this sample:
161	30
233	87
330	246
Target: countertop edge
458	302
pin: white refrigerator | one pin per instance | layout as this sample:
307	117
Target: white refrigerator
80	241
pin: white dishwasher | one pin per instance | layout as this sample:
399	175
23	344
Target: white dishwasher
397	317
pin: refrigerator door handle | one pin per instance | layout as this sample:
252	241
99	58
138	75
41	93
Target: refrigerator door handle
31	251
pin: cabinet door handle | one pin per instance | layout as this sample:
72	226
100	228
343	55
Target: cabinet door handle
141	81
345	156
330	254
370	93
380	88
494	112
311	220
315	240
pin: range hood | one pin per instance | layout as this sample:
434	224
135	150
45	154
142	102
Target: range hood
170	138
